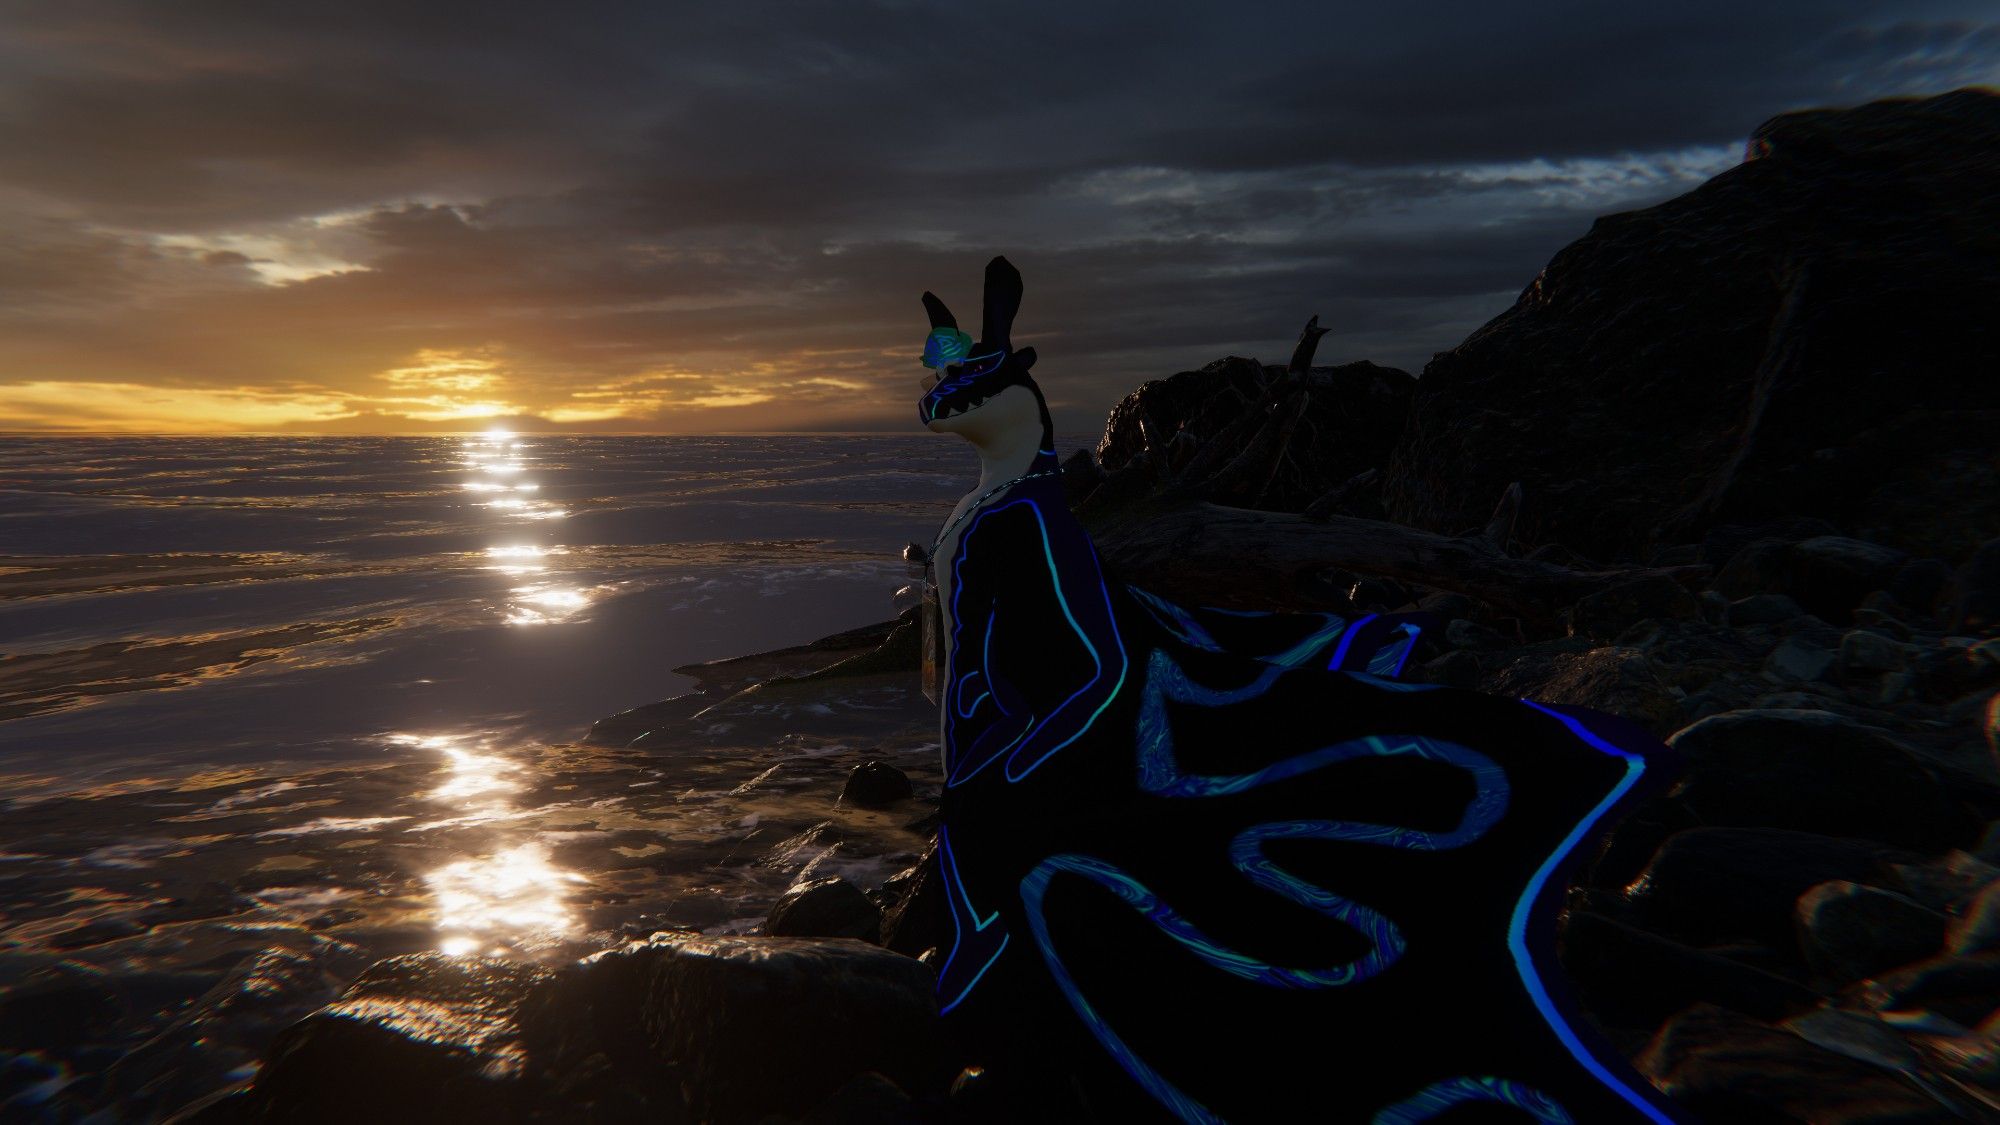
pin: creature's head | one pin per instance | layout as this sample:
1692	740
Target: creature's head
982	389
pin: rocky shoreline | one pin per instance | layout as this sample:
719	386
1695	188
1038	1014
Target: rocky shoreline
1806	928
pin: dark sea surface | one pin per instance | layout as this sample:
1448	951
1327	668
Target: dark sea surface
324	698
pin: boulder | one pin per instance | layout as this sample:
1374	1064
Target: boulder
779	1025
1849	931
1761	567
875	785
1617	680
1727	1067
1976	611
1710	885
1814	771
1961	988
1920	583
1797	658
831	907
1634	979
424	1035
1830	574
1611	611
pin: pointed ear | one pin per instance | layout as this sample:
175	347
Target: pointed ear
1025	357
1003	300
940	316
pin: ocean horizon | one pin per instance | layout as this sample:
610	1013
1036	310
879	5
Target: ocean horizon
176	603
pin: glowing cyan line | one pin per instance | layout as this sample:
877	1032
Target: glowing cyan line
1517	929
955	894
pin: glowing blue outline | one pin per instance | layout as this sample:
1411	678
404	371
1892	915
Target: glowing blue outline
1440	1096
1517	929
957	882
1340	653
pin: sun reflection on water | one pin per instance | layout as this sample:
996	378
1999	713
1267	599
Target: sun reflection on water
511	900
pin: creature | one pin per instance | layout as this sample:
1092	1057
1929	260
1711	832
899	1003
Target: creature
1220	866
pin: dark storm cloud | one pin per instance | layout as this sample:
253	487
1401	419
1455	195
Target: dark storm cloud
720	215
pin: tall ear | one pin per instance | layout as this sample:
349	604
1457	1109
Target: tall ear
1025	357
1003	300
940	316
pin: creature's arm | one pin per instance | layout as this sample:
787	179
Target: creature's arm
1050	659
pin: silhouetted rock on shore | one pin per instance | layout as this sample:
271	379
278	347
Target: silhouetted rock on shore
1347	427
1812	332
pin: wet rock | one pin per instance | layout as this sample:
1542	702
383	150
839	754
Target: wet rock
1813	771
1863	653
57	1003
1799	659
435	1036
1609	612
1710	885
920	920
1831	573
1762	609
779	1025
229	1026
875	785
622	728
829	908
1631	978
1977	610
1727	1067
1849	931
1965	989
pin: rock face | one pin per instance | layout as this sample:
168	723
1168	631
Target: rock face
1812	332
1347	427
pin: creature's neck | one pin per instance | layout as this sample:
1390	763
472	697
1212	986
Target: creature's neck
1013	455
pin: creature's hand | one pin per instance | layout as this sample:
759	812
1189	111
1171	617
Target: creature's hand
999	737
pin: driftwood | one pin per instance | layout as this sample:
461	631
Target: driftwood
1271	555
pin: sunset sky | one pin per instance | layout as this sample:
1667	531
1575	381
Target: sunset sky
376	217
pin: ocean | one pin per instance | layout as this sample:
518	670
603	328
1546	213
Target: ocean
323	700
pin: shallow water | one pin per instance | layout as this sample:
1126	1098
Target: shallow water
329	695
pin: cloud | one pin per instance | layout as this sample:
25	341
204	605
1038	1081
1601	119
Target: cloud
620	216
